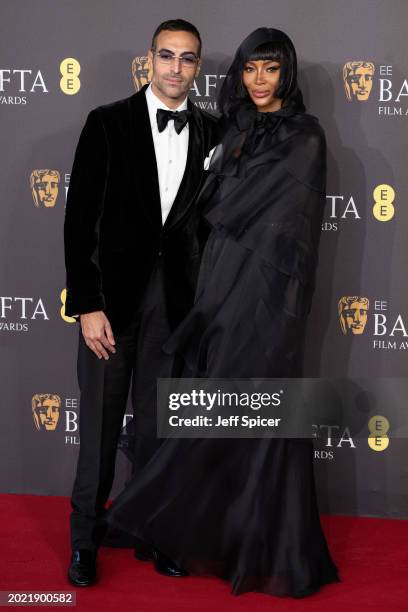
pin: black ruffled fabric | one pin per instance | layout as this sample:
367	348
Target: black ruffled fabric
258	267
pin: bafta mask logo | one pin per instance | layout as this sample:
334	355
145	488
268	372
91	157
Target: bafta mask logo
353	314
46	411
141	71
358	80
44	187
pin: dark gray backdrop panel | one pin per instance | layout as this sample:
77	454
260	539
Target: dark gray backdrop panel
360	255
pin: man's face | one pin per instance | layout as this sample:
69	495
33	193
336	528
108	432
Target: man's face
47	190
48	414
172	80
356	317
361	83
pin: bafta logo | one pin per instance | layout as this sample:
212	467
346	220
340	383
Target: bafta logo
141	71
46	411
353	314
358	80
44	187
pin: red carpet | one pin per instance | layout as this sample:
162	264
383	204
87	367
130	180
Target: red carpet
372	556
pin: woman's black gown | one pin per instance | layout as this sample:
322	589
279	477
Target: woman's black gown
245	509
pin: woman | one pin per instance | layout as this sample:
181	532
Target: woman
245	509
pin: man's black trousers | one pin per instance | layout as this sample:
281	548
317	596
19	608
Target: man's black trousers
104	386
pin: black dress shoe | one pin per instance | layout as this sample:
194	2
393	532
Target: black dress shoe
300	593
82	571
166	566
143	553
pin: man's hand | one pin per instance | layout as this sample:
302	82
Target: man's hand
97	333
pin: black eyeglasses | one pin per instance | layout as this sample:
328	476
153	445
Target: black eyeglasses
188	60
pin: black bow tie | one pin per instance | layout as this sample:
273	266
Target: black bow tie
180	119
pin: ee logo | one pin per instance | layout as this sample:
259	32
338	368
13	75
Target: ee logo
70	69
378	427
384	196
62	311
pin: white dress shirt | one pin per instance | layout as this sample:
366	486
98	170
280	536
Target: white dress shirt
171	152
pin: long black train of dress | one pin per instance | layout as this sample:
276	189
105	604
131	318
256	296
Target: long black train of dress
245	509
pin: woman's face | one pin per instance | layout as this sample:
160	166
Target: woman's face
261	80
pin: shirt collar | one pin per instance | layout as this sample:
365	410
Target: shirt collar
153	103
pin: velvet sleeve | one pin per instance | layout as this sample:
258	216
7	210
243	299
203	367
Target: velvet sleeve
85	201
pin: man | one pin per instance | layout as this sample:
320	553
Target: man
131	261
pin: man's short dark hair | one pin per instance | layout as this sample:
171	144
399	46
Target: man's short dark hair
177	25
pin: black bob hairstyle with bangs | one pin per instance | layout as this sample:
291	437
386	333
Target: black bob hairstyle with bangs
262	44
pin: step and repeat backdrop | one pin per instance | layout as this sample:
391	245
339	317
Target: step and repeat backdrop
60	60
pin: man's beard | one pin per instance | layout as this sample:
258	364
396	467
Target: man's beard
167	89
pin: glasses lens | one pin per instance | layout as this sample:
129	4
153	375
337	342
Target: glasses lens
165	57
188	60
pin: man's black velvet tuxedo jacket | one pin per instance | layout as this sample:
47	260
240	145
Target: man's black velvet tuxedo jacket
113	227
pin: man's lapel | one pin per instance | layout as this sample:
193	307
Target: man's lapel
143	166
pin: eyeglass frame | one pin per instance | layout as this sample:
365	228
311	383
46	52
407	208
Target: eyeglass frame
177	57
